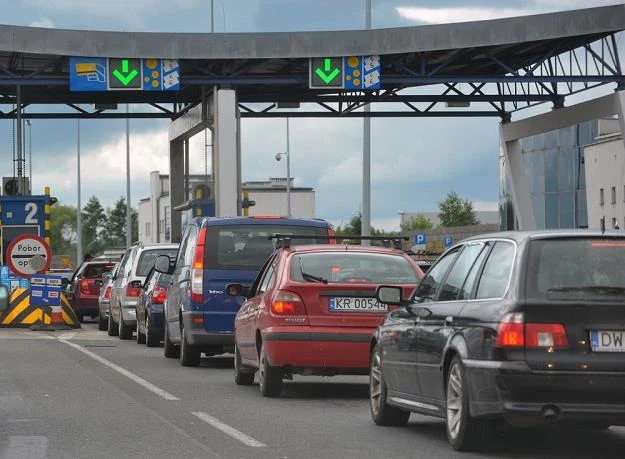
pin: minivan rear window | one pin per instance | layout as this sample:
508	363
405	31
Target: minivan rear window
148	257
576	268
246	247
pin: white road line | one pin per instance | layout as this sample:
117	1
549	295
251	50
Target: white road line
133	377
32	447
229	430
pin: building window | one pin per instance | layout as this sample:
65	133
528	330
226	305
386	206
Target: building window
613	195
615	224
600	196
147	229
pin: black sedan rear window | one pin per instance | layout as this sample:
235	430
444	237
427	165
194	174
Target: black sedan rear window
340	267
576	268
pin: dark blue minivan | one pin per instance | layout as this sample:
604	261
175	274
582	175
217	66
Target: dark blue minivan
214	252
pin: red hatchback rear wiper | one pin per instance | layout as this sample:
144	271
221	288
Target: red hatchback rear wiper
309	276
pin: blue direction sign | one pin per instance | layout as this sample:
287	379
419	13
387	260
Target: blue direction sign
419	239
362	72
45	290
449	241
112	74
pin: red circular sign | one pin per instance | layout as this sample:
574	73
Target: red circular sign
28	254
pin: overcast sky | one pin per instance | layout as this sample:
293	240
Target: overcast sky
415	162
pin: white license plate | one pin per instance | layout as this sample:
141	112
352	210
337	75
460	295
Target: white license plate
607	340
356	304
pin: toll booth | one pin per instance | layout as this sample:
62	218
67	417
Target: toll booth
195	208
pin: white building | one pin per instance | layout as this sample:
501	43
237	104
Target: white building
604	162
155	212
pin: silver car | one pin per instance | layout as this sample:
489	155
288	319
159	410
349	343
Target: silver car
105	298
127	283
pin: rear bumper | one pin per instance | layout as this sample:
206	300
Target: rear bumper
301	347
86	305
514	391
198	336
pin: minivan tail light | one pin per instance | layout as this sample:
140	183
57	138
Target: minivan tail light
513	332
159	295
197	269
132	291
287	303
331	233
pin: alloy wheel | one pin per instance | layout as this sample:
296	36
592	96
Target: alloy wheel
454	400
375	383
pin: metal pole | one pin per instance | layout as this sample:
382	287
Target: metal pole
79	204
30	153
212	16
18	134
288	170
366	156
128	207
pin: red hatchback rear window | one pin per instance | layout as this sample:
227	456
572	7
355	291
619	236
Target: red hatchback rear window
97	270
341	267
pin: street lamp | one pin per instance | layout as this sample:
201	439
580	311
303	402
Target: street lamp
30	153
288	170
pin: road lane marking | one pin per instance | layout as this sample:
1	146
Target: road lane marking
133	377
229	430
32	447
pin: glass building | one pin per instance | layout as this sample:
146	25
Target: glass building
555	165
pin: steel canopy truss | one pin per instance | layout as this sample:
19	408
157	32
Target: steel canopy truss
472	82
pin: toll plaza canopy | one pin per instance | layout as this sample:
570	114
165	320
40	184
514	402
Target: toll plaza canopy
500	65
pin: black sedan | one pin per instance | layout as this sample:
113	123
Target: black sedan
150	312
521	327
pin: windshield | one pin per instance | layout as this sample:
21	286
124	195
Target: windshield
341	267
576	268
246	247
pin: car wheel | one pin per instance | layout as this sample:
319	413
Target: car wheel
151	340
464	432
80	317
125	331
243	376
140	336
270	378
170	349
189	355
113	330
102	323
382	413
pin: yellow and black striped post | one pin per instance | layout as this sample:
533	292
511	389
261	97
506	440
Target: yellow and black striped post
47	224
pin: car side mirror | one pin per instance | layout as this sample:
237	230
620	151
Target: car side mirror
238	290
4	298
136	284
164	265
389	295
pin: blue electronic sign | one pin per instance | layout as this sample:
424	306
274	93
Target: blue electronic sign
362	73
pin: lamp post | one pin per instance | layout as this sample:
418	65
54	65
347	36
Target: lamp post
30	153
288	170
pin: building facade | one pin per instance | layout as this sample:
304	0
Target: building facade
155	213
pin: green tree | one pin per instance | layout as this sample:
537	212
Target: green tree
455	211
63	230
93	224
418	222
115	232
354	228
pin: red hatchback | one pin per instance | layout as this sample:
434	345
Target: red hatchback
312	311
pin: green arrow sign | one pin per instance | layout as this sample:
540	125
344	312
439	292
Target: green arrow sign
125	76
327	74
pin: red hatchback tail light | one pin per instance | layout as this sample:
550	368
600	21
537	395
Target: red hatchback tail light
513	332
287	304
132	291
159	295
84	286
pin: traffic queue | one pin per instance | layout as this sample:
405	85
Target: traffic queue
513	327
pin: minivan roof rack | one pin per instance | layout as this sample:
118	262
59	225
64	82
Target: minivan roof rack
284	240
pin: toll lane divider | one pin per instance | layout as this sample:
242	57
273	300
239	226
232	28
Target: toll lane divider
21	314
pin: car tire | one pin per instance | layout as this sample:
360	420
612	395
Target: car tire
464	432
140	336
170	350
80	316
125	331
382	413
243	376
270	378
151	340
189	355
113	329
102	323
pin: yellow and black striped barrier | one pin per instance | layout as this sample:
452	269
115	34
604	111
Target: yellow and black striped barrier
21	314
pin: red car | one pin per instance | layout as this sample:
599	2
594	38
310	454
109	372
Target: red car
312	311
85	287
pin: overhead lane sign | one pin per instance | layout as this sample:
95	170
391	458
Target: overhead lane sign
115	74
356	73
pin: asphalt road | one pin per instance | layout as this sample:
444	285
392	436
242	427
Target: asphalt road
82	394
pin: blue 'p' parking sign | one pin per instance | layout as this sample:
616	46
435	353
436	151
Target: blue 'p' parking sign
449	241
419	239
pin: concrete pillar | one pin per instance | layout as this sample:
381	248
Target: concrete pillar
155	195
176	186
226	159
